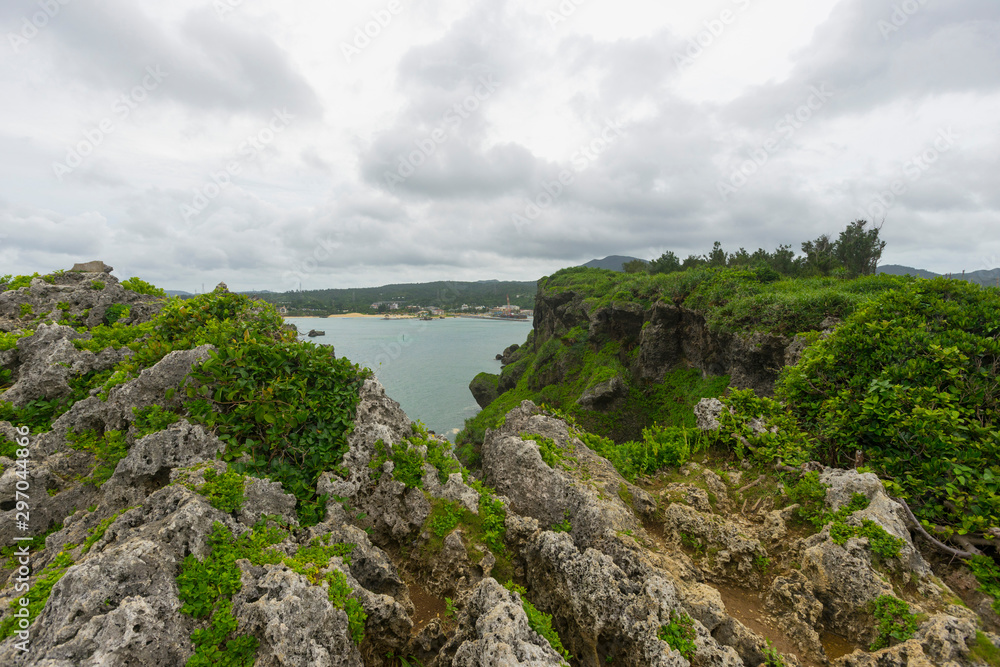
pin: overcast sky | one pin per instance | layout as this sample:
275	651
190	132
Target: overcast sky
269	143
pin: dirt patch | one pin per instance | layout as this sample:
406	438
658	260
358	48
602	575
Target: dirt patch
425	607
747	607
836	646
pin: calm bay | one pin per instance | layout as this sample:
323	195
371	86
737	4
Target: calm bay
424	365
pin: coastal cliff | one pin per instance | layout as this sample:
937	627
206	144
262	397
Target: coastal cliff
205	489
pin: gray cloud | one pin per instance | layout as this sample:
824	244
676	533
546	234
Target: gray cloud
317	207
212	65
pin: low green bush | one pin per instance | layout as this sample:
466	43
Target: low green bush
289	405
987	573
142	287
679	634
893	622
911	381
539	621
108	449
152	419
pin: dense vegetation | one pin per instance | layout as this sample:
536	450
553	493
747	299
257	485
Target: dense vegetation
288	404
854	253
909	384
731	300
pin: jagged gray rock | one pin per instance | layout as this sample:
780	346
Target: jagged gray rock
602	395
47	360
493	630
707	413
295	621
514	467
73	297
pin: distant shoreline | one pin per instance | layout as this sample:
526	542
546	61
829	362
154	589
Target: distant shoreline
401	317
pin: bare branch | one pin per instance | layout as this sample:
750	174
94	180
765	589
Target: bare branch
912	520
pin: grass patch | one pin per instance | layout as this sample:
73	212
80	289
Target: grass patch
38	595
679	634
108	449
540	622
893	622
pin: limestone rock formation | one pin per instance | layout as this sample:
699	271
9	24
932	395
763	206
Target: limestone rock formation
700	565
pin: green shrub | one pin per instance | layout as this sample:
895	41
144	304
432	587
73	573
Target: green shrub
445	516
289	405
97	285
771	657
661	446
108	449
782	438
408	464
38	595
880	542
987	573
911	380
115	312
115	336
27	310
893	622
8	341
142	287
810	494
539	621
224	492
437	456
549	450
679	634
20	281
206	588
152	419
310	560
563	526
493	515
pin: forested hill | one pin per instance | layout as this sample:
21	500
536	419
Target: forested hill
442	294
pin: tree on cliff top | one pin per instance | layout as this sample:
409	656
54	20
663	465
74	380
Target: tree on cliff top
860	249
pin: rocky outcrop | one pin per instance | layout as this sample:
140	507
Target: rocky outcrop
634	574
667	336
484	388
74	297
493	630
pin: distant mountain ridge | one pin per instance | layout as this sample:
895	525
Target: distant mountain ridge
984	277
612	262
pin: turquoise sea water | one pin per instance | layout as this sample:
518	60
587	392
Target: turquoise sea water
425	366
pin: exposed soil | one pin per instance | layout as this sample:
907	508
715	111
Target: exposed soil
748	608
425	607
836	646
